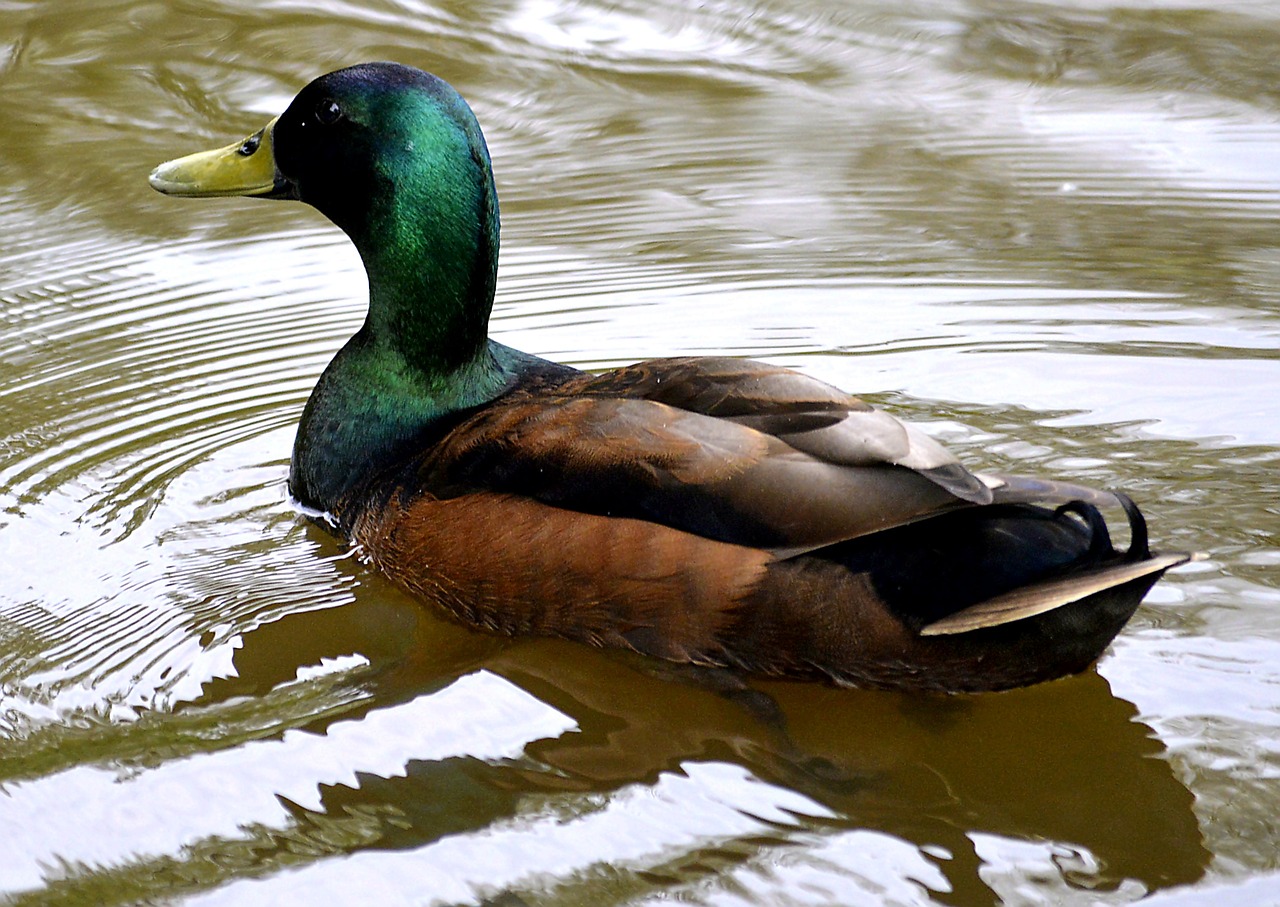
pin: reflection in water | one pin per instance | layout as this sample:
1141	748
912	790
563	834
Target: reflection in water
1046	232
490	788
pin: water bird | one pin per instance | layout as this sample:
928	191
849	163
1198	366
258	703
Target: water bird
709	511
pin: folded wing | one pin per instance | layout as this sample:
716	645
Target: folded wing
730	450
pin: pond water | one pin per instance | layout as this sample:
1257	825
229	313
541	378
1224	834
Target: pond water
1045	232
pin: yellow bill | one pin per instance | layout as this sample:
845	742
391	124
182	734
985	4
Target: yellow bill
245	168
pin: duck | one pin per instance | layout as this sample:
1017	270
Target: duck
713	512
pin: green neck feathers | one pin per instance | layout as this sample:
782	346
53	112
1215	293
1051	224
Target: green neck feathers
395	158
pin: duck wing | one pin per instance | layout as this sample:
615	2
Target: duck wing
824	421
805	413
729	450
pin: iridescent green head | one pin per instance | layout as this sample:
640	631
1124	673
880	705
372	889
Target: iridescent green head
394	157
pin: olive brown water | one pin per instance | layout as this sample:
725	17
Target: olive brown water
1044	233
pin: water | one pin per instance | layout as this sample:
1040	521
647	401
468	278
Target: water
1044	232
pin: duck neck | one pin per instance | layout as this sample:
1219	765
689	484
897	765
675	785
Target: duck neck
432	265
422	352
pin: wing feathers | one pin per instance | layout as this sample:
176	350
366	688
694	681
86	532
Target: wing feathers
1008	489
720	387
1042	597
808	415
713	477
732	450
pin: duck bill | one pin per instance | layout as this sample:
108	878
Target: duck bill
245	168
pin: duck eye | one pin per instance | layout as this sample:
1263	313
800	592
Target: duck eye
328	112
250	145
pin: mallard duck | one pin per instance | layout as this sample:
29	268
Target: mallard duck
709	511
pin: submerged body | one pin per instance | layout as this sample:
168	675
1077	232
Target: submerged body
713	511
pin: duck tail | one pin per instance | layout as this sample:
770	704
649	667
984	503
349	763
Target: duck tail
1107	569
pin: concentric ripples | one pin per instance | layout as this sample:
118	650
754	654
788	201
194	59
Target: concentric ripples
159	391
1045	233
179	354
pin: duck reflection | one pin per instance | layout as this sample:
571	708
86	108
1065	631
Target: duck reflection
1063	762
1066	761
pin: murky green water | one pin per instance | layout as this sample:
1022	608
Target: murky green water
1047	232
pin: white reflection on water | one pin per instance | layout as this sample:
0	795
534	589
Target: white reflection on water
97	817
681	816
1172	677
1041	872
116	626
1225	155
615	33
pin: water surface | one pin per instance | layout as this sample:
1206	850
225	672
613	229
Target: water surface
1046	233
